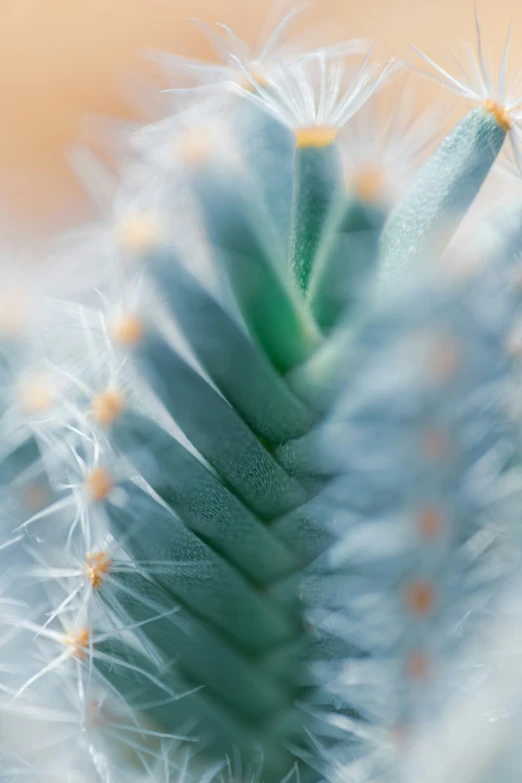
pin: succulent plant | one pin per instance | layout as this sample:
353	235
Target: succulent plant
259	506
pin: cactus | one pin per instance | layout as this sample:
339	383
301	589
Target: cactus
279	445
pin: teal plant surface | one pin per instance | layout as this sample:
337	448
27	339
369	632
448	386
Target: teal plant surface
260	470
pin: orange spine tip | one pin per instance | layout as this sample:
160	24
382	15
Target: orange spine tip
98	566
417	665
36	396
95	714
127	329
430	522
445	360
78	643
500	114
36	496
139	233
419	598
107	406
194	147
99	484
315	136
257	79
369	184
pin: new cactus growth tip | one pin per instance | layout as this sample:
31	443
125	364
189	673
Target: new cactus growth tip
260	473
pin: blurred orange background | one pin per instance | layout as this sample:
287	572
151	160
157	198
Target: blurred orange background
63	59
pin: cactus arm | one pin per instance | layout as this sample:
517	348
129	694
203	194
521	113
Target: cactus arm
169	708
276	318
201	655
320	380
267	147
317	184
241	372
214	590
216	430
432	208
200	499
345	261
